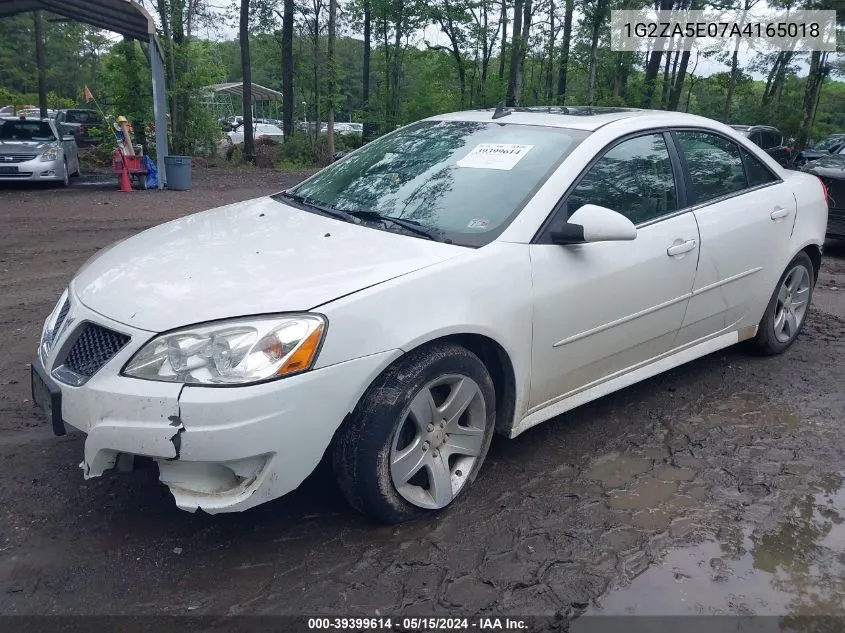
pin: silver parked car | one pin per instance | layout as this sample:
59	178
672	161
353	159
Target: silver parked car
33	150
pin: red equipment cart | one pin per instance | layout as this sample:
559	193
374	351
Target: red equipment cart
134	165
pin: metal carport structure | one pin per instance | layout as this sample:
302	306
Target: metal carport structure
126	17
219	98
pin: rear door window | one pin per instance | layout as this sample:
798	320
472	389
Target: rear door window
714	164
757	173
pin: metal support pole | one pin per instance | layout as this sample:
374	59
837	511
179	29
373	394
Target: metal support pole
159	106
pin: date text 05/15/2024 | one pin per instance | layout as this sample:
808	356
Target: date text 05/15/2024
417	624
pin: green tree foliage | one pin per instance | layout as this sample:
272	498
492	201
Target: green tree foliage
425	57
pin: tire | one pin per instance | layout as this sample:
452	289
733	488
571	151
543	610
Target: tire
778	330
389	450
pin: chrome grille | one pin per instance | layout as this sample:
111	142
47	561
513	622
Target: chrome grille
61	318
16	158
93	348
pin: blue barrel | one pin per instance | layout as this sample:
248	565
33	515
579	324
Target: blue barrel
178	172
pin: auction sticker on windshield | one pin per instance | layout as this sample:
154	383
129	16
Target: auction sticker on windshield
502	156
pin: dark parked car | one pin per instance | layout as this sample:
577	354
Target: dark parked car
831	170
823	148
769	139
81	124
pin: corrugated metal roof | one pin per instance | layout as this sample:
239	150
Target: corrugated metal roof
121	16
259	93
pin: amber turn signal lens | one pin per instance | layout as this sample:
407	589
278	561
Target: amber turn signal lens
301	359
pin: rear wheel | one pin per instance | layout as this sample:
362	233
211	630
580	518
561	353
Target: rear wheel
787	309
419	435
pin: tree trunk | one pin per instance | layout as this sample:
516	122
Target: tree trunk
397	47
549	89
773	96
41	63
165	17
623	70
564	53
678	83
504	19
811	97
523	48
692	79
316	53
332	76
598	19
770	79
653	66
486	51
287	69
365	91
387	64
516	45
249	146
664	89
726	113
177	26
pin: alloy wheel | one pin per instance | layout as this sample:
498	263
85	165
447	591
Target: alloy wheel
792	302
438	441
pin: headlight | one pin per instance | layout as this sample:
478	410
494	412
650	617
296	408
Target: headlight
232	352
51	153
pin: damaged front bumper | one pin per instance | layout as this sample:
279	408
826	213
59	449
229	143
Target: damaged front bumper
217	449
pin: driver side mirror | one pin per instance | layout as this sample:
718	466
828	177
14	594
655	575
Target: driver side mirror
592	223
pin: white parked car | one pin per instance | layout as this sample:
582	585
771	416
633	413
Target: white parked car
344	129
236	136
472	273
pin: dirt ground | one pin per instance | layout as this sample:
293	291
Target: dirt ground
714	488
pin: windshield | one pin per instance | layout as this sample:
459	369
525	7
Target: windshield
26	131
466	180
83	116
829	142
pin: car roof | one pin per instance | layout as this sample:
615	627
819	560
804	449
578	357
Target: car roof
29	118
587	118
755	127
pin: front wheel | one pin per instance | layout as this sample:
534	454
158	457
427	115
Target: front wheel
419	435
787	309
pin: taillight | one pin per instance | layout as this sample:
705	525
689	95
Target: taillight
824	189
82	129
788	150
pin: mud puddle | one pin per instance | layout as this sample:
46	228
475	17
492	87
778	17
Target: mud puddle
792	566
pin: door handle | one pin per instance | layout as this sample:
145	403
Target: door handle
779	213
680	249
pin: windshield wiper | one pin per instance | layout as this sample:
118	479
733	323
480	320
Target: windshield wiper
409	225
305	201
364	215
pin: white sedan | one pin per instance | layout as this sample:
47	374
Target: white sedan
468	274
259	130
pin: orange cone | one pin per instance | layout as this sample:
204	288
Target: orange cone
125	183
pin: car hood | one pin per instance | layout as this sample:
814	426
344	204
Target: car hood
254	257
15	147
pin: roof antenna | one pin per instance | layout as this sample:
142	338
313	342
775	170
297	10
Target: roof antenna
500	110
